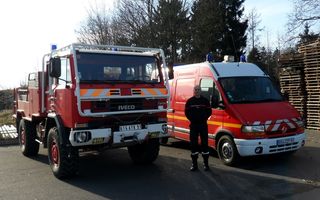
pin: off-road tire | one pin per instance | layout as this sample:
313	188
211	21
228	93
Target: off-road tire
63	160
227	151
146	152
27	138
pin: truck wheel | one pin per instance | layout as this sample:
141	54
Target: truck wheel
227	150
146	152
64	161
27	138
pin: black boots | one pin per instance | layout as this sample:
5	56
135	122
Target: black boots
194	165
205	157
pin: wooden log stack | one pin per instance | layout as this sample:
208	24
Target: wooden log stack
311	54
292	81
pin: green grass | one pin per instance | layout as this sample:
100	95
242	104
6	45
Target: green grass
6	117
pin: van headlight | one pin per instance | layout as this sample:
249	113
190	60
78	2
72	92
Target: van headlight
253	129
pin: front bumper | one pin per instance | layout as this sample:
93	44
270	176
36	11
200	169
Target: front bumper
119	138
269	146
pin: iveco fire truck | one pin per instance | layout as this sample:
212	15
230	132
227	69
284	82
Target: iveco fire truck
94	97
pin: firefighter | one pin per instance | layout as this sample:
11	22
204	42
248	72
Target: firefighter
198	110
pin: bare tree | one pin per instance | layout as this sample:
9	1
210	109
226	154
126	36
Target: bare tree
97	27
253	27
134	21
305	11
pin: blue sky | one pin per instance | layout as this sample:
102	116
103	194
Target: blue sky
274	17
29	27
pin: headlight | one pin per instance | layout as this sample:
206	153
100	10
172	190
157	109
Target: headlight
253	129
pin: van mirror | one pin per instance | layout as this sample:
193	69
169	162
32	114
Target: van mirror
55	67
170	70
215	99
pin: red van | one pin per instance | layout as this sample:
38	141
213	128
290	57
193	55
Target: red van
249	115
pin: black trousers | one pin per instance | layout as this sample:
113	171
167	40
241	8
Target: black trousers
195	131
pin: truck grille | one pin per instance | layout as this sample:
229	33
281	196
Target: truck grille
130	104
282	148
126	104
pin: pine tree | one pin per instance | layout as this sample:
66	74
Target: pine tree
171	28
206	28
217	26
234	38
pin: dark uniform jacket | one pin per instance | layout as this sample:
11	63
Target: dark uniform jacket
198	110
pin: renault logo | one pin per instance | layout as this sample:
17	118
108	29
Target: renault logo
284	129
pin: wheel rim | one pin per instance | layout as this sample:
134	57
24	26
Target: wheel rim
227	151
22	137
54	152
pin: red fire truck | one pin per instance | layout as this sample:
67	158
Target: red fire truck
249	116
94	97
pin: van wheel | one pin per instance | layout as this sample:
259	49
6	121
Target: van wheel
146	152
64	161
27	138
227	150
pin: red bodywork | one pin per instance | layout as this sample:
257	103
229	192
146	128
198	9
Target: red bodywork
233	117
61	98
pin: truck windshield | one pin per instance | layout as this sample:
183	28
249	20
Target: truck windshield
250	90
101	68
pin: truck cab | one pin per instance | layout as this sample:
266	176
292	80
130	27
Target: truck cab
249	115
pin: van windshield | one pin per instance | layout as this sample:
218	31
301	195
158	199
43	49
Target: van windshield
115	68
250	90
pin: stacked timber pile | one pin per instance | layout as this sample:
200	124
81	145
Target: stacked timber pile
8	135
312	77
292	81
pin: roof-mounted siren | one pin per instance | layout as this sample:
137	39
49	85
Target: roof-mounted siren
228	58
209	57
53	47
243	58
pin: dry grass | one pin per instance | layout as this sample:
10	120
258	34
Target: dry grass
6	118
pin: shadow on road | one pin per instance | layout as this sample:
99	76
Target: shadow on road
112	175
300	164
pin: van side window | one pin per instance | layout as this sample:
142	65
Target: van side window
206	85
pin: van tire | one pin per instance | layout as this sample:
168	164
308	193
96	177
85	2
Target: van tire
27	138
146	152
227	151
63	160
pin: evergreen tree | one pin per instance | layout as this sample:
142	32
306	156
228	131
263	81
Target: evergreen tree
171	28
206	29
234	38
217	26
307	36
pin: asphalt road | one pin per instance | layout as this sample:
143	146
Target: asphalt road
112	175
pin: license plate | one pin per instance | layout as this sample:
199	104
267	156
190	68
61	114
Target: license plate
131	127
285	141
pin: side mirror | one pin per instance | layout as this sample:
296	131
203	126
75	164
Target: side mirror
170	71
215	99
55	67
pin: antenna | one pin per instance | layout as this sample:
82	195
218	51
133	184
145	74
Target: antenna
234	47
